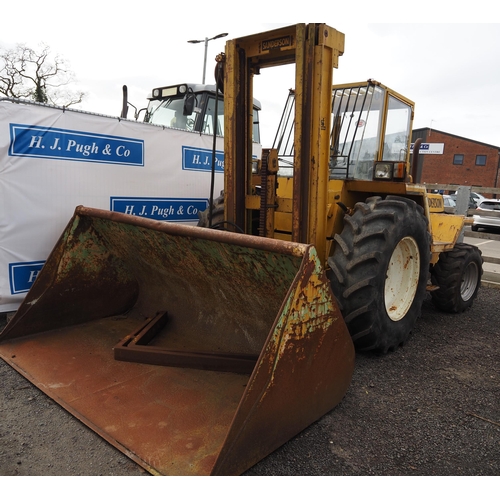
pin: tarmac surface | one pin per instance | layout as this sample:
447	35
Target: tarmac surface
432	408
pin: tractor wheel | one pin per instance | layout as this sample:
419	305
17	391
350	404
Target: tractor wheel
458	275
379	271
217	214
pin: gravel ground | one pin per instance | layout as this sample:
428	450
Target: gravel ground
431	408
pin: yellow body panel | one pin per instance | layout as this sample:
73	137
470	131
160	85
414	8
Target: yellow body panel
435	202
283	224
444	228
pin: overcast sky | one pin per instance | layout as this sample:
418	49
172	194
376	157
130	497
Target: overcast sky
450	70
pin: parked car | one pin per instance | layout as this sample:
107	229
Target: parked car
475	199
487	221
449	204
472	201
449	201
478	198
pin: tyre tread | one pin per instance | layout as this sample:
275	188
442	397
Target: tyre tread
447	275
364	247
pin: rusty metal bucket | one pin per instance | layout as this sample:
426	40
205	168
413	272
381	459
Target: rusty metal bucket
191	350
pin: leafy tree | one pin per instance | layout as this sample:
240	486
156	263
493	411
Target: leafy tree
35	74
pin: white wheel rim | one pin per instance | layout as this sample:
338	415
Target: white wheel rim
469	281
402	278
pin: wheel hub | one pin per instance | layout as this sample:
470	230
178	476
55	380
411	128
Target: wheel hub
469	281
402	278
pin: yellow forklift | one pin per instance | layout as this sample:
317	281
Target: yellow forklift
200	351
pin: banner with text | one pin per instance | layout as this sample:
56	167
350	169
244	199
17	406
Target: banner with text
429	148
52	160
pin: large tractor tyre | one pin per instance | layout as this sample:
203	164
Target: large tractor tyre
217	214
458	276
379	271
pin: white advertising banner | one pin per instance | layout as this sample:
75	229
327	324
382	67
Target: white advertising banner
430	148
53	160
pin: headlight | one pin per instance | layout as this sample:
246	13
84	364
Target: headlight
388	171
383	171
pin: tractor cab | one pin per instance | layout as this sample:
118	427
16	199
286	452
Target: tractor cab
192	107
370	134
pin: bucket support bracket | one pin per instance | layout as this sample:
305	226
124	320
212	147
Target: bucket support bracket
135	348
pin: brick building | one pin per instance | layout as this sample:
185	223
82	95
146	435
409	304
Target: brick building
451	159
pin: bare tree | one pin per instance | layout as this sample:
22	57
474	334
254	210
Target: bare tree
26	73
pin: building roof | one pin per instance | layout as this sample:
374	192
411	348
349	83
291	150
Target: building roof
453	135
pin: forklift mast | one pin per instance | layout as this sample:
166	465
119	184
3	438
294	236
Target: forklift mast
314	49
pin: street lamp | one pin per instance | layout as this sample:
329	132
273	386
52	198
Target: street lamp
220	35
